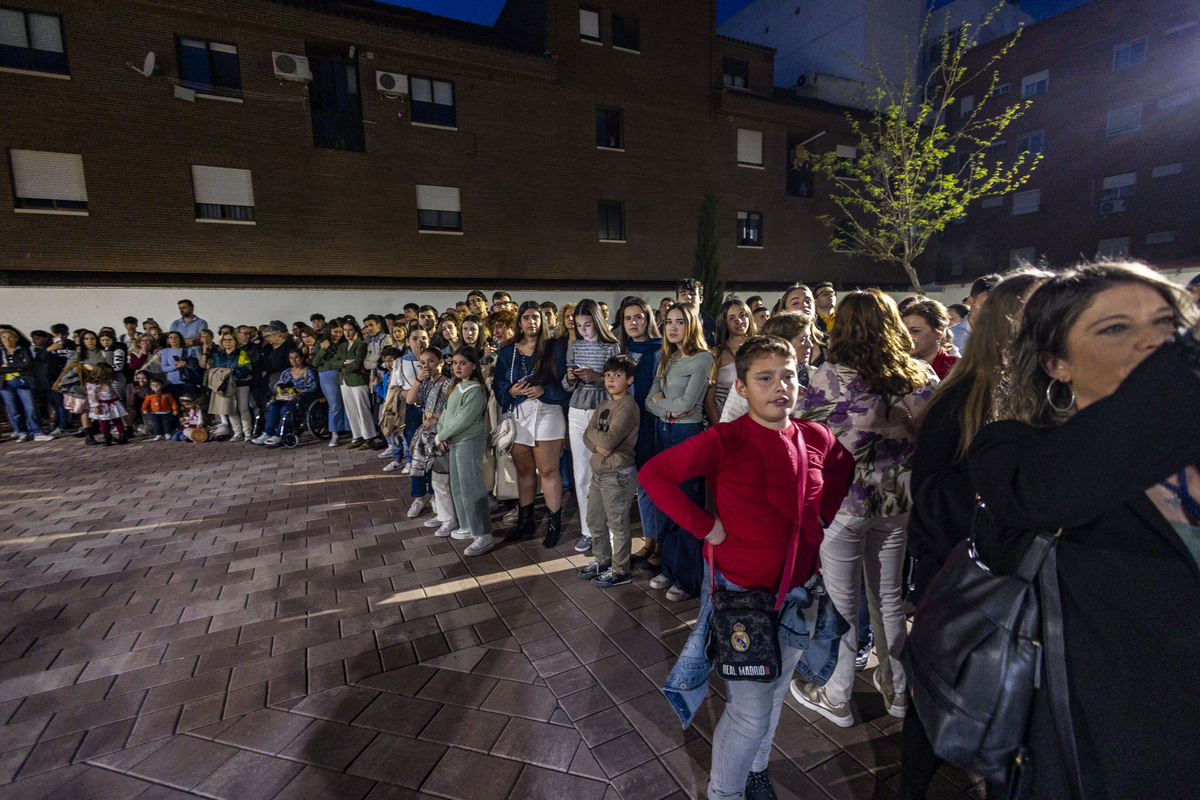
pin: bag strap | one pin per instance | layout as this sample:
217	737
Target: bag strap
1056	667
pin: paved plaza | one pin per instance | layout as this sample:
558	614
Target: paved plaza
225	621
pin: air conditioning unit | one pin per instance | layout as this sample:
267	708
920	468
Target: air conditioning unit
290	67
1112	206
391	83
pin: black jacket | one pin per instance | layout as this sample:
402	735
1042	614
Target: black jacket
1130	587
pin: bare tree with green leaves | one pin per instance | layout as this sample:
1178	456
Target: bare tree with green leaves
913	173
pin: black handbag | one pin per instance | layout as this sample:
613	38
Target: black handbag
981	645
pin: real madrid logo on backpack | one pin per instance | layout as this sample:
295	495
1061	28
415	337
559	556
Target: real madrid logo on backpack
740	639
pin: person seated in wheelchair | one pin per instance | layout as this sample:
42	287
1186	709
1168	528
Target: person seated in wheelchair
293	383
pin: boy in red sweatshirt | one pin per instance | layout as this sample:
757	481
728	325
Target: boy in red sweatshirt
756	466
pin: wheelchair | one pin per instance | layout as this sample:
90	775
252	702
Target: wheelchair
310	414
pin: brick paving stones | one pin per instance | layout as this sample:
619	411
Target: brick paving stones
223	621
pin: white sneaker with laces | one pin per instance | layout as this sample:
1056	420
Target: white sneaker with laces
43	437
675	594
272	440
461	534
57	432
158	438
480	546
511	517
392	467
386	452
407	470
417	508
434	522
333	440
661	581
24	437
446	529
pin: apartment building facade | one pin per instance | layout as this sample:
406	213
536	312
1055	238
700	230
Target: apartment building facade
1115	114
325	143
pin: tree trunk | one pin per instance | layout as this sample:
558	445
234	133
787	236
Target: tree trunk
911	271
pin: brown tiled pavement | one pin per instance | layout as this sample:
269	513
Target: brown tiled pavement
223	621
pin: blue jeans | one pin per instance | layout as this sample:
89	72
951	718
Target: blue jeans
413	417
333	395
682	553
648	512
22	412
275	413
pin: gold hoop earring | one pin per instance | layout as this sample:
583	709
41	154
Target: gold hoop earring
1050	396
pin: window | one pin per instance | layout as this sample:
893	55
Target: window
991	202
439	209
433	102
1165	170
1117	247
626	33
209	67
1002	88
1124	120
223	194
1162	237
799	181
1020	256
33	42
1118	187
749	229
49	182
997	146
589	24
735	72
611	217
1129	54
1027	202
1174	100
1033	142
608	129
966	105
335	99
1037	83
749	148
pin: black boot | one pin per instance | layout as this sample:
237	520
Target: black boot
758	787
108	440
524	525
553	528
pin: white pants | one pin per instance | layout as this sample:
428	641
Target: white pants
241	423
443	503
357	402
854	547
581	460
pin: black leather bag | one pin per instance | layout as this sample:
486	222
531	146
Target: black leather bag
981	646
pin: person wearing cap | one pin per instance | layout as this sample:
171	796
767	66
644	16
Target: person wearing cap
979	292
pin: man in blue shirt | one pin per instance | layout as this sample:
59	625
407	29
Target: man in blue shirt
188	324
979	292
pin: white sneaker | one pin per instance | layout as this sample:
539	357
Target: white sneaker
260	439
434	522
447	529
480	546
24	437
661	581
272	440
407	470
386	452
57	432
333	440
511	517
43	437
417	508
460	534
676	594
896	704
158	438
395	465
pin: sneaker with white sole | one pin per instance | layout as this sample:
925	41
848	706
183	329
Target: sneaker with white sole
158	438
593	569
675	594
584	544
272	441
260	439
896	704
461	534
434	522
386	452
333	440
407	470
511	517
43	437
610	578
417	508
392	467
447	529
661	581
57	432
814	699
480	546
24	437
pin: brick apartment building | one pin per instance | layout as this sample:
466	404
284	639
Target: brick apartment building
1116	114
570	144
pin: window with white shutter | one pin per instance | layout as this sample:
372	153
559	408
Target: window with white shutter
439	209
48	182
749	148
223	194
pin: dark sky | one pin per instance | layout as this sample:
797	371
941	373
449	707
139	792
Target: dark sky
485	11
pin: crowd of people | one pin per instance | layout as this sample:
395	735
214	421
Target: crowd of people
848	440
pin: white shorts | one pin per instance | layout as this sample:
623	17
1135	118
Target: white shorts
538	422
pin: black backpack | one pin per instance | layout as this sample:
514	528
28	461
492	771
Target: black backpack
981	645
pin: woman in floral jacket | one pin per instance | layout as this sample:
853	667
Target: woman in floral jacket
868	393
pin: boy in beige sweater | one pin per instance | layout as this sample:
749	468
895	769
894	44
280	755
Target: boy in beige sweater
611	436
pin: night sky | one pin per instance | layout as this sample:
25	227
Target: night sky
485	11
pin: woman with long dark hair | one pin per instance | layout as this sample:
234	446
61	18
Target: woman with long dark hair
735	324
526	383
868	393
